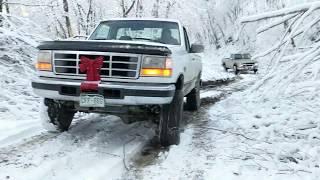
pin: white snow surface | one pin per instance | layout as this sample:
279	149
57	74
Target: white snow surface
212	65
267	129
240	139
19	106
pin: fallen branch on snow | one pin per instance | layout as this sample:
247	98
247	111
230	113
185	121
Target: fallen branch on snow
124	153
234	133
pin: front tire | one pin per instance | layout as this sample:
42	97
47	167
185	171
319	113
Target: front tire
225	67
60	115
170	120
193	98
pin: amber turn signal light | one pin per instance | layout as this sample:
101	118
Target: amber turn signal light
155	72
42	66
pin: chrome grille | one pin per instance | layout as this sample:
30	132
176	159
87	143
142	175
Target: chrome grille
115	65
248	64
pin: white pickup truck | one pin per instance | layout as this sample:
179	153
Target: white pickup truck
240	63
138	69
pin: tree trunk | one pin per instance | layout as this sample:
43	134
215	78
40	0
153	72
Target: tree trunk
1	5
7	7
125	10
169	7
155	10
1	1
89	18
67	18
139	8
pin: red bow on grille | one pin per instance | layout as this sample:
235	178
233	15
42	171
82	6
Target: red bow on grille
92	68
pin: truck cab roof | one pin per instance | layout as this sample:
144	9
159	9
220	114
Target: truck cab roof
143	19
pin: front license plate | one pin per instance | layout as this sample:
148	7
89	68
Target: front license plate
91	100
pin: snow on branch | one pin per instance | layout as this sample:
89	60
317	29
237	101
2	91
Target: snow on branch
275	23
28	5
284	73
281	12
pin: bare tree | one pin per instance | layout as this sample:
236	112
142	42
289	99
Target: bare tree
1	5
302	19
126	9
6	4
139	8
80	13
90	17
170	5
155	10
212	32
67	18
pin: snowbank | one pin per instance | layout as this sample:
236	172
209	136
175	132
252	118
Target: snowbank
211	61
19	106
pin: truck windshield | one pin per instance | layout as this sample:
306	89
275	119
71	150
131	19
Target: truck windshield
240	56
137	30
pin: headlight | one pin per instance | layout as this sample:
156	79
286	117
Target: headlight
44	61
153	66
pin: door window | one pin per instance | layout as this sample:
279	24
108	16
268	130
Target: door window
186	39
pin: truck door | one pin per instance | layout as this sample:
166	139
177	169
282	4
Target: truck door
191	66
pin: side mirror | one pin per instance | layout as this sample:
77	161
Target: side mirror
197	48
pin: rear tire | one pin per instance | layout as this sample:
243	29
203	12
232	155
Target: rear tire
255	71
193	98
235	69
170	120
60	115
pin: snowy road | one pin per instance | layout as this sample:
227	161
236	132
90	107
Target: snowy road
99	147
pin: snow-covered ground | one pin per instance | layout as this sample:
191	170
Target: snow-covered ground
212	68
96	147
262	126
238	139
92	149
18	105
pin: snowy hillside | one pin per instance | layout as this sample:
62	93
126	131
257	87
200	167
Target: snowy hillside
250	126
19	106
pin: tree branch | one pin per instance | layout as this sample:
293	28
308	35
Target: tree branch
23	4
281	12
275	23
130	8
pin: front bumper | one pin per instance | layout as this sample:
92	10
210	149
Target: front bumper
247	68
114	93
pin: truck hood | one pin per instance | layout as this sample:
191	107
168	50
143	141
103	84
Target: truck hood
148	48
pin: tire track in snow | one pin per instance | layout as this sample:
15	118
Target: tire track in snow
211	94
98	140
95	142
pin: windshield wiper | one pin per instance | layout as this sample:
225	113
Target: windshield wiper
147	39
100	39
